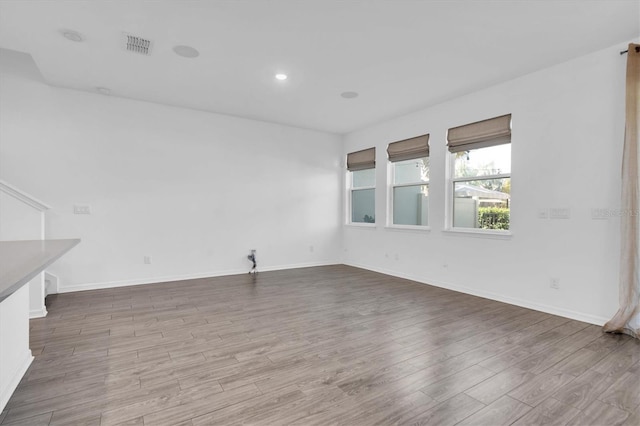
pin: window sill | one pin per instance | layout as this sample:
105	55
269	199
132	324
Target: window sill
361	225
479	233
407	228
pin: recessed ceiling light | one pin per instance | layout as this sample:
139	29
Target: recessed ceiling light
103	90
349	95
186	51
281	77
72	35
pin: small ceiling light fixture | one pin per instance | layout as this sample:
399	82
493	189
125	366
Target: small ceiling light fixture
349	95
72	35
103	90
186	51
281	77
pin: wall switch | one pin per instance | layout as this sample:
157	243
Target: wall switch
543	214
311	249
81	209
148	260
560	213
601	214
554	283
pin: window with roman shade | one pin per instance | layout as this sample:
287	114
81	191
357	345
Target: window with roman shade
480	176
362	186
409	186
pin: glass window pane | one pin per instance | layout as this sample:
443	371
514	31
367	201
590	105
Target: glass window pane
363	178
482	204
493	160
411	205
363	206
409	171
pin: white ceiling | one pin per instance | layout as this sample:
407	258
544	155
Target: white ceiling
399	56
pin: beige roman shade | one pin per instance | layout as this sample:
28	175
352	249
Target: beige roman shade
409	149
361	160
494	131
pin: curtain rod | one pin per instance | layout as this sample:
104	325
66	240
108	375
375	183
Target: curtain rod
625	51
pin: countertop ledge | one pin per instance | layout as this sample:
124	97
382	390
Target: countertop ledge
20	261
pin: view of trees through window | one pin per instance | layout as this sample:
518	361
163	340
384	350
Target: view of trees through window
482	188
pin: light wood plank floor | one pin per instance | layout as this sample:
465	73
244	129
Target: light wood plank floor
318	346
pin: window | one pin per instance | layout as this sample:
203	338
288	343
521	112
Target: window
481	174
363	196
409	181
362	186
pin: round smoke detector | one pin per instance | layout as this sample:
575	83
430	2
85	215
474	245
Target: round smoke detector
186	51
349	95
72	35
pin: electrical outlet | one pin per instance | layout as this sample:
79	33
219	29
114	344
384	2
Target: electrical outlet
311	249
148	260
543	214
554	283
81	209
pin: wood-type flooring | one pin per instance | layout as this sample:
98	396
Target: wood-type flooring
318	346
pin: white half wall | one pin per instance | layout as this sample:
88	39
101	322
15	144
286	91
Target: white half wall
15	355
568	126
193	190
21	221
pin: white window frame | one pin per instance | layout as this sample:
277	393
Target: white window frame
350	190
392	185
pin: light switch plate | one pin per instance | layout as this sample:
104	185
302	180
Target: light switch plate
559	213
81	209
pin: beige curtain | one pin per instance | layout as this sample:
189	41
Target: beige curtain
627	319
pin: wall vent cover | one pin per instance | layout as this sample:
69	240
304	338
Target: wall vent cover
137	44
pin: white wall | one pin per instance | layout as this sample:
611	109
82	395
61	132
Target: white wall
567	139
192	189
21	221
18	220
15	355
198	190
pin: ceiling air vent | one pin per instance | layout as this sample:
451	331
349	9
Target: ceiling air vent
137	44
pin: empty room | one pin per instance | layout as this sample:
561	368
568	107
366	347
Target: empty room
319	212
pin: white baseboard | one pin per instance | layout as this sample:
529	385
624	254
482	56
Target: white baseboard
38	313
554	310
6	390
62	288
